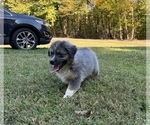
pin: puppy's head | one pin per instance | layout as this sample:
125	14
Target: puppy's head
60	52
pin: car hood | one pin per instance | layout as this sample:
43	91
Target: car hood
30	17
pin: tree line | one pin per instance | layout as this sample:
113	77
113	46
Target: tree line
96	19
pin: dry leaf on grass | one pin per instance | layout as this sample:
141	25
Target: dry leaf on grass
86	113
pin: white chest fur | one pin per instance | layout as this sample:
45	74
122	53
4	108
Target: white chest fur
65	75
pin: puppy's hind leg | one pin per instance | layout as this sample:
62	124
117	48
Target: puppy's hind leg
96	68
72	88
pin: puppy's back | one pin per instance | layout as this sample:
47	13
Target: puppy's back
86	62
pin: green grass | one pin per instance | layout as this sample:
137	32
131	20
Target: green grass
33	96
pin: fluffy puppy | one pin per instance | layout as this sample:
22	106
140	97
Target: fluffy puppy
71	64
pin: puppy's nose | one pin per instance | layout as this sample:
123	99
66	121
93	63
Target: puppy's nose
52	62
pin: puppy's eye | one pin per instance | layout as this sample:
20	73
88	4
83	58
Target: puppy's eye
51	53
61	54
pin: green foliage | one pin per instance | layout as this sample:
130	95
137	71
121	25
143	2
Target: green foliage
39	8
44	10
140	19
108	19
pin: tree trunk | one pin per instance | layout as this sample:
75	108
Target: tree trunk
120	29
132	32
126	27
61	26
65	27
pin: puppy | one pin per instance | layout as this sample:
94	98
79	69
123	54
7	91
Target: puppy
71	64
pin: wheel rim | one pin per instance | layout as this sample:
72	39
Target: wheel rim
25	40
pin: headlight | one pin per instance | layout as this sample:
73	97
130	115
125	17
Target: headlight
41	22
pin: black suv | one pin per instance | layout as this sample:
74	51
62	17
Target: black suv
22	31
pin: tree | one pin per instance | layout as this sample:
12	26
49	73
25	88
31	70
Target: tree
41	8
98	19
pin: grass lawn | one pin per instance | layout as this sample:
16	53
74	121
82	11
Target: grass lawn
96	43
33	96
101	43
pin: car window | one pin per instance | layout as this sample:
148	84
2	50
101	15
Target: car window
7	13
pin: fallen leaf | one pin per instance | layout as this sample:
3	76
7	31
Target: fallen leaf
86	113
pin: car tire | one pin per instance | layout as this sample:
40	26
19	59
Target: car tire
24	38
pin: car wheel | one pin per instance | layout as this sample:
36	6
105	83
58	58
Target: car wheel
24	39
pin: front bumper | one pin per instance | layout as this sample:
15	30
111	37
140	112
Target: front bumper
45	40
46	35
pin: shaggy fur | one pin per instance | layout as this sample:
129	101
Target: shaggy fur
71	64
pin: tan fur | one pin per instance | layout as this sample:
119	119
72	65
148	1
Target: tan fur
65	74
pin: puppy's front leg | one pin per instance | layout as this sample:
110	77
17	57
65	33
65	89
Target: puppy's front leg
72	88
69	93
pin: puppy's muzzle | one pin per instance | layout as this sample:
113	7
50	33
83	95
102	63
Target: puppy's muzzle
52	60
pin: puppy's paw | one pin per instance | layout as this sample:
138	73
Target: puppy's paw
66	96
69	93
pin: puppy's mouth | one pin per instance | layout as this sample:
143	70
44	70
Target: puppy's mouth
55	68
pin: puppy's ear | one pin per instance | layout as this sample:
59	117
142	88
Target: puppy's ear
71	49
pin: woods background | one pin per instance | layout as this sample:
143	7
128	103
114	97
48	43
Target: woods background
96	19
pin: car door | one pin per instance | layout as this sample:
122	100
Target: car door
1	26
9	22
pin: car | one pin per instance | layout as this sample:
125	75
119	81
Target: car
23	31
